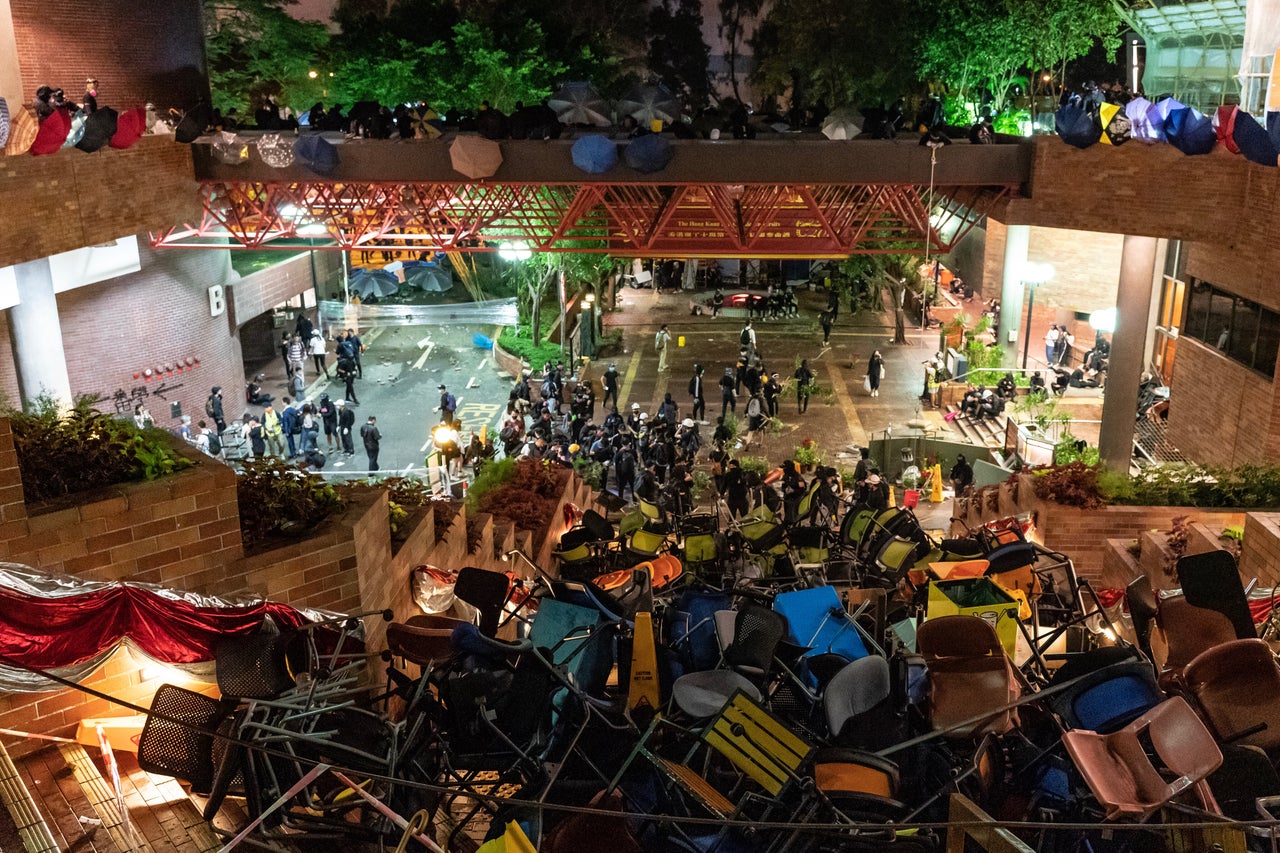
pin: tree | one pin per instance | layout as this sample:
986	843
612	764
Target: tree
1065	30
677	54
254	47
895	273
732	13
533	277
836	52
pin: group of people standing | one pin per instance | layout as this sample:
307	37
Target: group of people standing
308	342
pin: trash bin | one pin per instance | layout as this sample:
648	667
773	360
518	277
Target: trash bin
910	498
977	597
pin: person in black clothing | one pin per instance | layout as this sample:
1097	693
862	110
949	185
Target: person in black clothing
1007	387
772	390
1037	383
728	395
826	320
833	305
717	302
720	438
804	378
303	328
699	410
346	422
372	441
735	490
610	382
961	474
875	492
346	371
213	408
793	489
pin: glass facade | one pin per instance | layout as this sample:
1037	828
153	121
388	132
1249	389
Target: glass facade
1241	330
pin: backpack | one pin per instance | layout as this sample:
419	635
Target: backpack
755	406
215	444
658	343
745	338
208	405
450	402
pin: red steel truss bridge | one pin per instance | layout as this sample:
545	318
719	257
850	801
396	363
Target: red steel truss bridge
756	199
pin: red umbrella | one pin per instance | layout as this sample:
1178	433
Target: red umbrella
475	156
53	132
129	127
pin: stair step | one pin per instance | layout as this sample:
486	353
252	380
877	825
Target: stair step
103	799
35	833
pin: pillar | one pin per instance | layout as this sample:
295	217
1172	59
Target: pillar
36	335
1017	240
1128	351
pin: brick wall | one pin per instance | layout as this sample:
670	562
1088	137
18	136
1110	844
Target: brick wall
70	199
155	317
139	50
1219	410
261	291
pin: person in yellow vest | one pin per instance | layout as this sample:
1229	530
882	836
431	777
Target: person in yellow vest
272	431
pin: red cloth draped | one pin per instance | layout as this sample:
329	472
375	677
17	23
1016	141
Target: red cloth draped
48	633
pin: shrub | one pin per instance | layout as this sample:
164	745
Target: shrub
808	453
527	497
1070	485
521	345
756	464
83	449
590	471
278	499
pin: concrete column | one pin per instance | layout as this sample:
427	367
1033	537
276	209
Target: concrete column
1128	351
1017	239
36	335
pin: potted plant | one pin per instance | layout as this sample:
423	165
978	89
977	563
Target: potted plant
807	455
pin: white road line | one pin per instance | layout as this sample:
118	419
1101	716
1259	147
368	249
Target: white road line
422	359
422	343
472	383
483	362
407	468
423	448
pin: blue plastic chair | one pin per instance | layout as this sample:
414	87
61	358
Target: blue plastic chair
817	621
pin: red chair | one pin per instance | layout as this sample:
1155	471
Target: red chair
968	673
1184	632
1121	774
1237	685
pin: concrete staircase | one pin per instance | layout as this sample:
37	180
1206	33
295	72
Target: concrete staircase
985	431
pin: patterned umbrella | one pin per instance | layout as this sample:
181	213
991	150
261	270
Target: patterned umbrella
580	103
1115	124
475	156
275	150
4	122
23	128
843	123
230	149
650	102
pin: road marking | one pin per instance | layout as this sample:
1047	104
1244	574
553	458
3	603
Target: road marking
483	361
840	389
422	343
472	383
407	468
422	359
633	367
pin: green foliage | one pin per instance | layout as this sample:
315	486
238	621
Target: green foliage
1012	121
255	48
1070	485
1233	531
277	499
519	344
808	453
396	516
733	427
702	485
1068	451
756	464
493	475
1041	410
591	472
677	54
64	453
986	362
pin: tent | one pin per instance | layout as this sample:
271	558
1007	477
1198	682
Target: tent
648	153
595	154
475	156
378	283
650	102
99	126
275	150
130	125
842	123
317	153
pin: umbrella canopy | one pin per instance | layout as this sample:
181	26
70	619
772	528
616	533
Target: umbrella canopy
52	133
595	154
580	103
430	279
1190	131
22	132
378	283
475	156
650	102
230	149
77	129
1158	114
843	123
1077	127
99	127
317	153
1253	141
1116	126
1224	122
4	122
648	153
275	150
130	125
1139	125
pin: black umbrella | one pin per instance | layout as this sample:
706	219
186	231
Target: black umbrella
99	127
1253	140
378	283
431	279
1077	127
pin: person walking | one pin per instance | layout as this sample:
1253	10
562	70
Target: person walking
610	382
747	338
372	441
346	371
284	355
961	474
291	425
213	408
660	342
346	423
448	405
297	357
772	390
826	320
273	431
804	381
699	410
329	420
728	396
318	353
353	341
875	372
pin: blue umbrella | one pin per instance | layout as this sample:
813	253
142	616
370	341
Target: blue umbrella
481	342
1190	131
648	153
595	154
317	153
365	283
1253	140
1077	127
1158	114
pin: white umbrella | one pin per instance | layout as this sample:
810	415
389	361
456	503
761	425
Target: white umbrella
580	103
842	123
649	102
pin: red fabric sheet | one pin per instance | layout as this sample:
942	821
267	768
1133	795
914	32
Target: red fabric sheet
48	633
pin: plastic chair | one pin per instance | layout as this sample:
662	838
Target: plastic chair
644	544
692	626
757	631
1142	610
1121	774
261	665
651	511
703	694
860	785
969	673
817	621
177	739
485	591
854	528
1186	631
1237	684
420	644
1211	580
855	690
1114	688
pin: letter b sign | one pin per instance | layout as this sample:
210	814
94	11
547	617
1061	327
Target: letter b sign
217	301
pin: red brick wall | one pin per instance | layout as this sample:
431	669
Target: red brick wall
157	316
261	291
1220	412
139	50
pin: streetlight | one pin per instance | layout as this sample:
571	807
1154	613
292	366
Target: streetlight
514	250
588	324
1033	275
